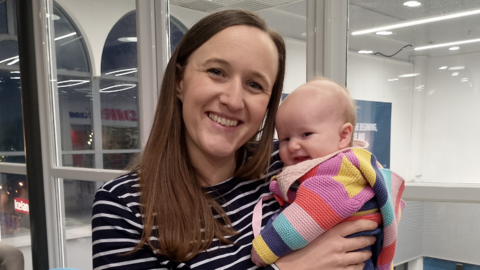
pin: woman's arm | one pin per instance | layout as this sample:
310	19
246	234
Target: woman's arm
332	250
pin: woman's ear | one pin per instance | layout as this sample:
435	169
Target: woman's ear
345	135
179	82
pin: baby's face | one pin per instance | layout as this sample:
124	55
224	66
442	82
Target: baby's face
308	125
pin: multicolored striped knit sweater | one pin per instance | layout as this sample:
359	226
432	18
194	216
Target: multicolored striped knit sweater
332	189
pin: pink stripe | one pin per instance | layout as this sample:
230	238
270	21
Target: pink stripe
275	189
330	167
353	158
335	195
384	267
303	223
390	234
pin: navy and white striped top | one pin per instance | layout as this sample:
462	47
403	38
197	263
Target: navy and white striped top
117	225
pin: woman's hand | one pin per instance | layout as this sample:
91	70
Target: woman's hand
332	250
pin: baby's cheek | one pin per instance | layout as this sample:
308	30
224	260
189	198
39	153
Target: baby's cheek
284	155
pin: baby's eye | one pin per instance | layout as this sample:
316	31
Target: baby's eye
306	134
285	140
215	71
255	85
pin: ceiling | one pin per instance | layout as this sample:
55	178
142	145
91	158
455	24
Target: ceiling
364	14
211	6
288	17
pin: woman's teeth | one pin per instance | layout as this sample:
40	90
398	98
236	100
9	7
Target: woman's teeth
223	121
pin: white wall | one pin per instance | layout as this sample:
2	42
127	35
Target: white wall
452	122
367	80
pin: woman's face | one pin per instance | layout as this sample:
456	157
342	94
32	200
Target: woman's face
225	90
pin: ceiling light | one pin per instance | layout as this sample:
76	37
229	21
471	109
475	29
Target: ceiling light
14	71
412	4
455	74
120	70
128	39
8	59
454	48
13	62
447	44
112	89
365	52
457	68
409	75
65	36
15	78
125	73
464	80
444	67
416	22
391	80
69	83
384	33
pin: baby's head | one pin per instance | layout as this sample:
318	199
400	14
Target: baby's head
315	120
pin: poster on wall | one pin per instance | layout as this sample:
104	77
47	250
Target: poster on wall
374	121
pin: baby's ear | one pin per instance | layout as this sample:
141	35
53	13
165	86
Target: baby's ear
345	135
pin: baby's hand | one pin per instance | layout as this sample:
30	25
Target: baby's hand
257	260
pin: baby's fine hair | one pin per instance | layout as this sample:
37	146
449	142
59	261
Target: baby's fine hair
350	111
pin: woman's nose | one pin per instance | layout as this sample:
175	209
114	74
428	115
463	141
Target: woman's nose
232	95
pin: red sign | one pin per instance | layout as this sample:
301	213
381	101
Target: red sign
21	205
119	115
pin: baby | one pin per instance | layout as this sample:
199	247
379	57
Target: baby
327	179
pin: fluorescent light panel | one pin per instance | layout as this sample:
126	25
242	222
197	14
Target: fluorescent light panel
447	44
8	59
65	36
416	22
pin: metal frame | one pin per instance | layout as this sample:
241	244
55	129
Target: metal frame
327	39
31	126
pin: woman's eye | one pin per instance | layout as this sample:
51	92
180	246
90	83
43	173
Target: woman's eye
306	134
255	85
215	71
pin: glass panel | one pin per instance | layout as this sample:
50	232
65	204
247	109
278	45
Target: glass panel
287	17
119	106
432	90
118	161
75	102
96	81
69	43
3	18
14	219
79	160
78	198
11	125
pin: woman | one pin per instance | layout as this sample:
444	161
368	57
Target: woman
189	204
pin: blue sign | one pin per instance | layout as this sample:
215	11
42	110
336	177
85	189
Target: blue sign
374	122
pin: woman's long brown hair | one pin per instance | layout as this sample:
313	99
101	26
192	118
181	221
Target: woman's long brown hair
171	198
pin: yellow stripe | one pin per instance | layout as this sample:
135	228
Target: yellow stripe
350	177
365	165
263	250
363	213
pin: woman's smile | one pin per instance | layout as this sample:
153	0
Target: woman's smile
224	121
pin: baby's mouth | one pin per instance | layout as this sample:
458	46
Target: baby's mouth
301	159
223	121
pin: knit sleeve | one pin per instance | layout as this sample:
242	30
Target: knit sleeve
337	191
